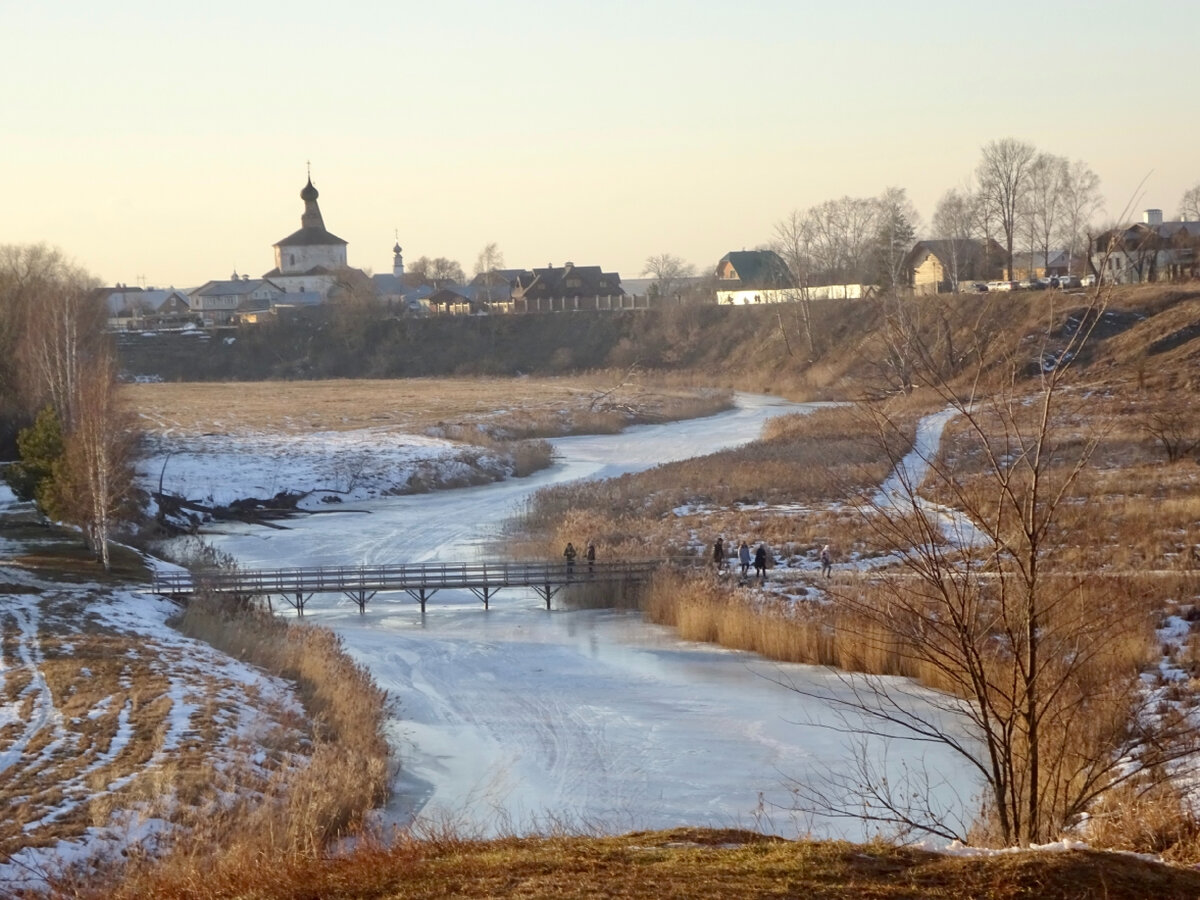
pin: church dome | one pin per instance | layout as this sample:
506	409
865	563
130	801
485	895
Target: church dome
309	193
396	249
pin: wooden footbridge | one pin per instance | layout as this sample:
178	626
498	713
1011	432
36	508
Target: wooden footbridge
420	581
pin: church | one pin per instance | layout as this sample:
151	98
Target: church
308	260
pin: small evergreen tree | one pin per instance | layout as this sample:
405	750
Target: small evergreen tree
41	448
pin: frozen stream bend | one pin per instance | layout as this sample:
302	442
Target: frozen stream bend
518	718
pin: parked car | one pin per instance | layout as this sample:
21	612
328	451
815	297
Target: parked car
1031	284
1087	281
974	287
1069	281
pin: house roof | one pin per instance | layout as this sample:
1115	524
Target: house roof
450	295
555	281
124	298
230	288
758	269
315	270
944	250
310	236
498	276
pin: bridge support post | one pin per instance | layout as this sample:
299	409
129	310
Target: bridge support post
421	595
546	592
484	593
298	602
360	598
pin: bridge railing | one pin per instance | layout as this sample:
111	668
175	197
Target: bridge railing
432	575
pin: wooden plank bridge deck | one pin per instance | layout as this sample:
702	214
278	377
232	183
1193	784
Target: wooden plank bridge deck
420	580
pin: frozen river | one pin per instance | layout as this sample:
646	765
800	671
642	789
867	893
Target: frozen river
517	718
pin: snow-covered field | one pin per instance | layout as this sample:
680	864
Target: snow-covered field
515	717
84	775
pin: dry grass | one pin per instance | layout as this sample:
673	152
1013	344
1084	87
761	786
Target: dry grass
685	863
347	774
781	489
508	408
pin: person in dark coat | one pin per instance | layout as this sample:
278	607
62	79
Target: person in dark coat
590	556
719	553
760	561
569	555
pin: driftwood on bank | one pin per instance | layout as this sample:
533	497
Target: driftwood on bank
183	515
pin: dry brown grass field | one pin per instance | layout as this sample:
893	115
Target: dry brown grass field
684	864
513	408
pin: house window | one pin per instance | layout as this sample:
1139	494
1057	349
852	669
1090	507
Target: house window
291	259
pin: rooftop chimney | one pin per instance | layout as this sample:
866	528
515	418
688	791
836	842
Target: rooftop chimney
1152	217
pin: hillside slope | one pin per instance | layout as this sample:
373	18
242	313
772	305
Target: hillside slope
842	347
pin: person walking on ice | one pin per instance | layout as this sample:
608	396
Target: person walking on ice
744	557
569	555
718	554
826	561
760	562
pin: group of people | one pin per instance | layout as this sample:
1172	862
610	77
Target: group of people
721	558
759	558
570	553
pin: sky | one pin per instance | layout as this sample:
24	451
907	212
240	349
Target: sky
166	144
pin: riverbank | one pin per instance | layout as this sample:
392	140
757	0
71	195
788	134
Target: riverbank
127	742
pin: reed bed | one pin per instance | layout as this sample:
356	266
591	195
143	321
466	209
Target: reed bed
782	489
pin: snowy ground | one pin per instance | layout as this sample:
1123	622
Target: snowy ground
517	717
349	465
104	709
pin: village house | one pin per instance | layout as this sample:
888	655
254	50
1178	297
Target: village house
137	309
754	276
940	266
223	302
569	287
1150	250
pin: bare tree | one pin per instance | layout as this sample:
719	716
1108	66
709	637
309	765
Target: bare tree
793	240
1031	660
897	223
1189	204
1080	202
1044	203
52	321
954	221
489	260
95	480
1003	177
843	232
670	273
438	270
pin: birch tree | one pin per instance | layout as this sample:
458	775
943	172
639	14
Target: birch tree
94	479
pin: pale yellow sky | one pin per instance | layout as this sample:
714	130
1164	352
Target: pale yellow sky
169	145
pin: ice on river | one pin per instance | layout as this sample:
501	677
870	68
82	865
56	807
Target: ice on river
518	717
